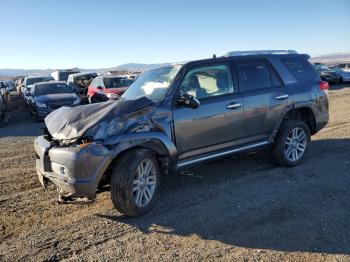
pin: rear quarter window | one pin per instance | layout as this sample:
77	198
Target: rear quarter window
300	68
256	75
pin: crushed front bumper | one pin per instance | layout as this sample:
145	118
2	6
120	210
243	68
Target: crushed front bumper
74	170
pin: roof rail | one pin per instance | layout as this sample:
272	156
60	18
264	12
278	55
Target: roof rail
260	52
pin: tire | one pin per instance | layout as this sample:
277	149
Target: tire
287	151
34	116
2	116
126	179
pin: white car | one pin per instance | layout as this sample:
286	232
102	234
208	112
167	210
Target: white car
345	75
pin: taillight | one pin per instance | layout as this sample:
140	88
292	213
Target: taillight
324	85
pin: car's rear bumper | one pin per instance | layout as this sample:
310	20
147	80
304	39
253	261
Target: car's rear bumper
75	171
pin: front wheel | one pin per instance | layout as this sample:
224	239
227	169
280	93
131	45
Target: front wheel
2	119
292	143
135	182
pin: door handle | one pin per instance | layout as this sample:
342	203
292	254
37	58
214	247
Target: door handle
281	97
233	106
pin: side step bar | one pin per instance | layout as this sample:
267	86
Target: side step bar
185	163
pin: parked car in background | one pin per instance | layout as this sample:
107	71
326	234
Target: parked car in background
63	74
110	86
344	66
345	75
182	115
327	74
10	85
4	91
29	82
80	82
3	110
48	96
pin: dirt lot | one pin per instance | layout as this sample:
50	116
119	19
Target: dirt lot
238	208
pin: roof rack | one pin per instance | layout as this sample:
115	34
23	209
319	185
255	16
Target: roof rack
260	52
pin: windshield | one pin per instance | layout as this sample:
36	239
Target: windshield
85	80
337	69
115	82
31	81
152	84
63	76
47	89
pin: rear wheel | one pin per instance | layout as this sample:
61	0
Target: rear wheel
292	143
135	182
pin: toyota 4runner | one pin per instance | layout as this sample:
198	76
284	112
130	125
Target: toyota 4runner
181	115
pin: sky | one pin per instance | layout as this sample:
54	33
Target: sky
41	34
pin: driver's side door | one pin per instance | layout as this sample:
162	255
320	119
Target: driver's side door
218	121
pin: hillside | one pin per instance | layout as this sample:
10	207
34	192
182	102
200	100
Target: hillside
332	58
328	59
129	67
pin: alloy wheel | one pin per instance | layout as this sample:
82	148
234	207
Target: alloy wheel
144	183
295	144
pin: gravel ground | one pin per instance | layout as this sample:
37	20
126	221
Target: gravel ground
239	208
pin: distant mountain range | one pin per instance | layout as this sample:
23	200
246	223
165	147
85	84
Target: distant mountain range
332	58
329	58
40	72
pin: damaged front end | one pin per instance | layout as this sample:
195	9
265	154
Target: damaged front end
80	143
73	169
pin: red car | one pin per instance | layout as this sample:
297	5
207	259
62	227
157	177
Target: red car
111	86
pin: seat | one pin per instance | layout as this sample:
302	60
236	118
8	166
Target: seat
195	88
223	83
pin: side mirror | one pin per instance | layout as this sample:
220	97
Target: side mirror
99	87
188	100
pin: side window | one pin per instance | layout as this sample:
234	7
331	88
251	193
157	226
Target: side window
255	75
342	66
208	81
300	68
274	78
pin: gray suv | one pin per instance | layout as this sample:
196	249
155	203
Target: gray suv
181	115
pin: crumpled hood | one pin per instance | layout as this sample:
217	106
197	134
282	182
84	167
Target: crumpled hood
67	124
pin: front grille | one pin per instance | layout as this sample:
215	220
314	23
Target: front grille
56	106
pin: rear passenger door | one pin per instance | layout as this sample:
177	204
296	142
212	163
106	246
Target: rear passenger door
265	98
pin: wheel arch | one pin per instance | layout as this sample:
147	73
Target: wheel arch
304	113
157	142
